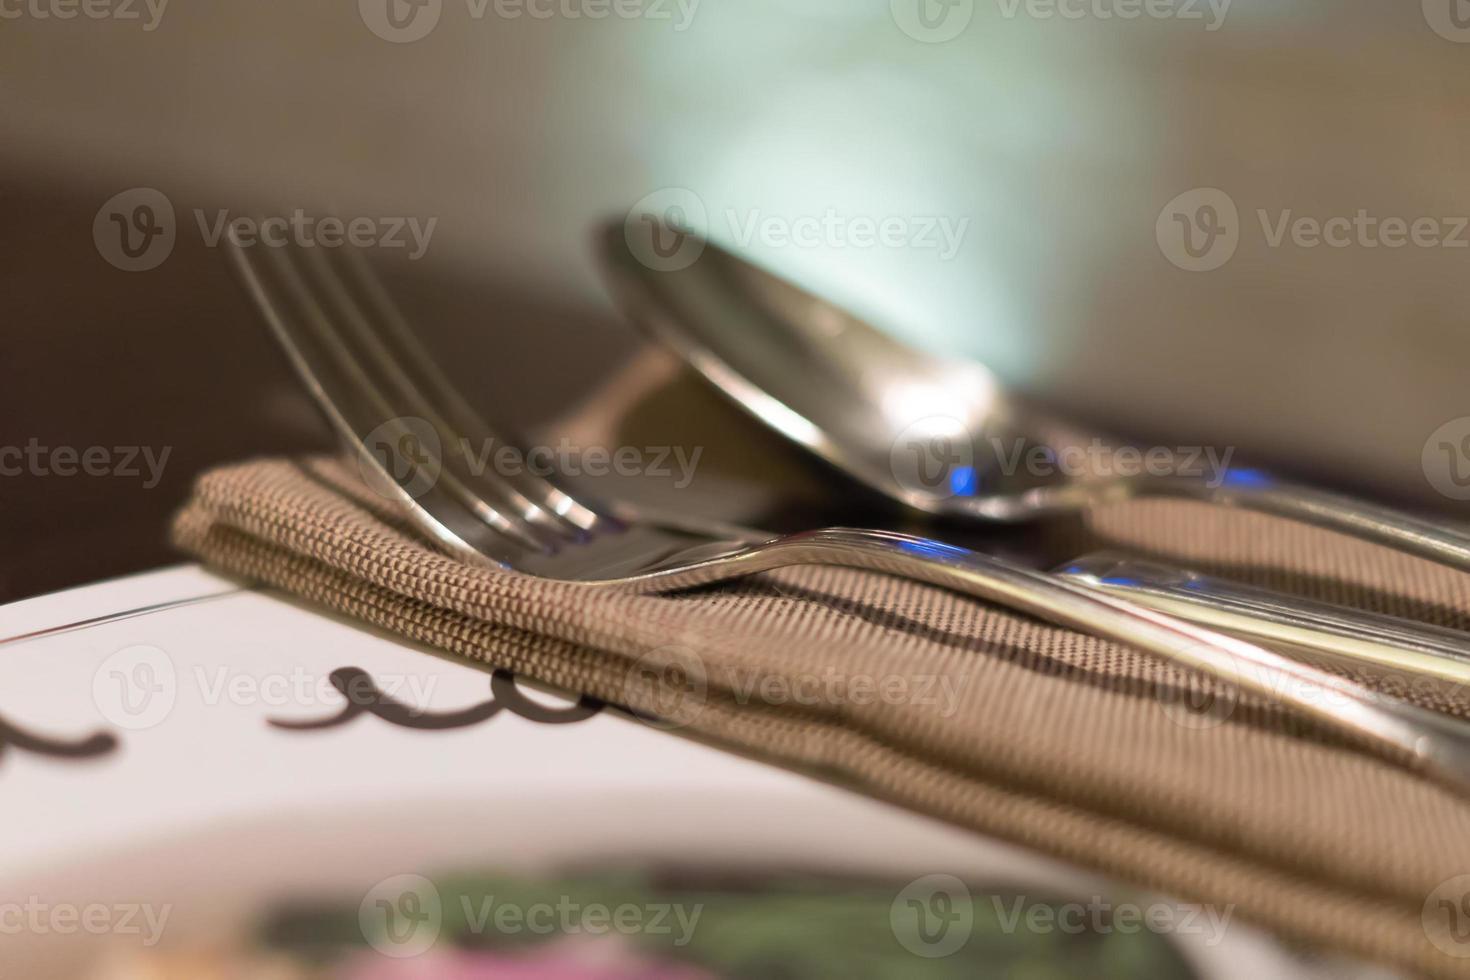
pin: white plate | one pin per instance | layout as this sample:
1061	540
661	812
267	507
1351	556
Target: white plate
191	798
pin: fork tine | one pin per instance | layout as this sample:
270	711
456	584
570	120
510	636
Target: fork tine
440	395
498	501
404	409
357	411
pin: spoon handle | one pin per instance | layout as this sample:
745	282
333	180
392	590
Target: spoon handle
1259	491
1433	744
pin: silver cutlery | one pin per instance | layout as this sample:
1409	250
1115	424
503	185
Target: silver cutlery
1358	641
906	424
395	413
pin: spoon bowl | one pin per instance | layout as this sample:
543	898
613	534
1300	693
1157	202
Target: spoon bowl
940	436
916	428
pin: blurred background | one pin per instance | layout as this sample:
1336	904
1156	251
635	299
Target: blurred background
1110	203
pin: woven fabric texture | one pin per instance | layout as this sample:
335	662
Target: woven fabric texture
1052	739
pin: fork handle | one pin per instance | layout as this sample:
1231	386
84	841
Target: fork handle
1434	744
1259	491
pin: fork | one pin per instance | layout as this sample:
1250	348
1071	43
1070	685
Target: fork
1352	640
396	412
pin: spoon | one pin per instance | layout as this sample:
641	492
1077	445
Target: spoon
940	436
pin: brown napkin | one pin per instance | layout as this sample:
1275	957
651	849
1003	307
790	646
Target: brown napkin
1049	738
